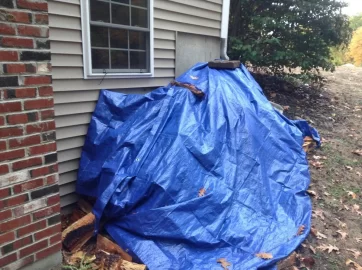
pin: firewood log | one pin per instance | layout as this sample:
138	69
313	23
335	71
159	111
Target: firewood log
107	245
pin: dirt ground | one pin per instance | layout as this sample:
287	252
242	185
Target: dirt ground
335	110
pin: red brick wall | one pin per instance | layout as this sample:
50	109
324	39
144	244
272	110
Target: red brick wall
29	192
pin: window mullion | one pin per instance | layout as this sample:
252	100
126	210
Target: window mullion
109	48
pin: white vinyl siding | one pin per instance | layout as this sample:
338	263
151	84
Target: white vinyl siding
75	98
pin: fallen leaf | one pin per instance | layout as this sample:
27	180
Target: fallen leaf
328	248
319	157
312	249
202	192
346	207
308	261
326	194
342	233
352	194
265	256
273	95
300	230
224	263
355	208
355	252
358	240
349	168
312	193
318	213
321	236
317	164
341	224
308	144
358	173
286	108
193	77
358	152
355	265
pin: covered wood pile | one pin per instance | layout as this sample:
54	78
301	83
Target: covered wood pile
83	250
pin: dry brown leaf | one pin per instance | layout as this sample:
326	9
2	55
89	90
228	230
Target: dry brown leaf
354	264
319	157
317	164
352	194
341	224
273	95
358	152
202	192
328	248
307	262
355	208
300	230
358	173
265	256
312	249
286	108
321	236
224	263
308	144
326	194
355	252
346	207
312	193
358	240
342	234
318	213
349	168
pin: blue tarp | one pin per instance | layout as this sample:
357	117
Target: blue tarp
148	158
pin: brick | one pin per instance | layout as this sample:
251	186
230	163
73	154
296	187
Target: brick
51	158
38	104
19	165
29	185
47	114
52	179
6	29
14	200
24	141
43	171
14	119
4	169
2	120
9	56
41	18
53	200
17	244
14	223
40	127
55	239
5	214
18	16
10	155
9	132
47	212
54	220
45	91
31	228
20	263
14	178
7	237
30	207
10	107
7	3
6	81
2	145
33	5
47	232
4	260
31	80
49	136
20	93
42	44
17	42
6	192
33	31
47	252
14	68
34	56
30	249
44	192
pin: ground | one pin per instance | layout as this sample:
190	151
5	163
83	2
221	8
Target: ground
335	109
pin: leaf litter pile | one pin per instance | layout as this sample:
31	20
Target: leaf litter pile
335	109
335	239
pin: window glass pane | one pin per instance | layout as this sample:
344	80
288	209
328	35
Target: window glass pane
119	59
139	17
119	38
100	59
138	60
137	40
141	3
99	36
99	11
121	1
120	14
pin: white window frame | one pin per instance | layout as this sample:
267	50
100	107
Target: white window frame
86	43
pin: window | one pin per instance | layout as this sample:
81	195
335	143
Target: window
117	38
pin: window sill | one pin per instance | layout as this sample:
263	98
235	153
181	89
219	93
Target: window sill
98	76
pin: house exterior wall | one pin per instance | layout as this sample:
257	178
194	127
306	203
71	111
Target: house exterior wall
29	192
75	98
